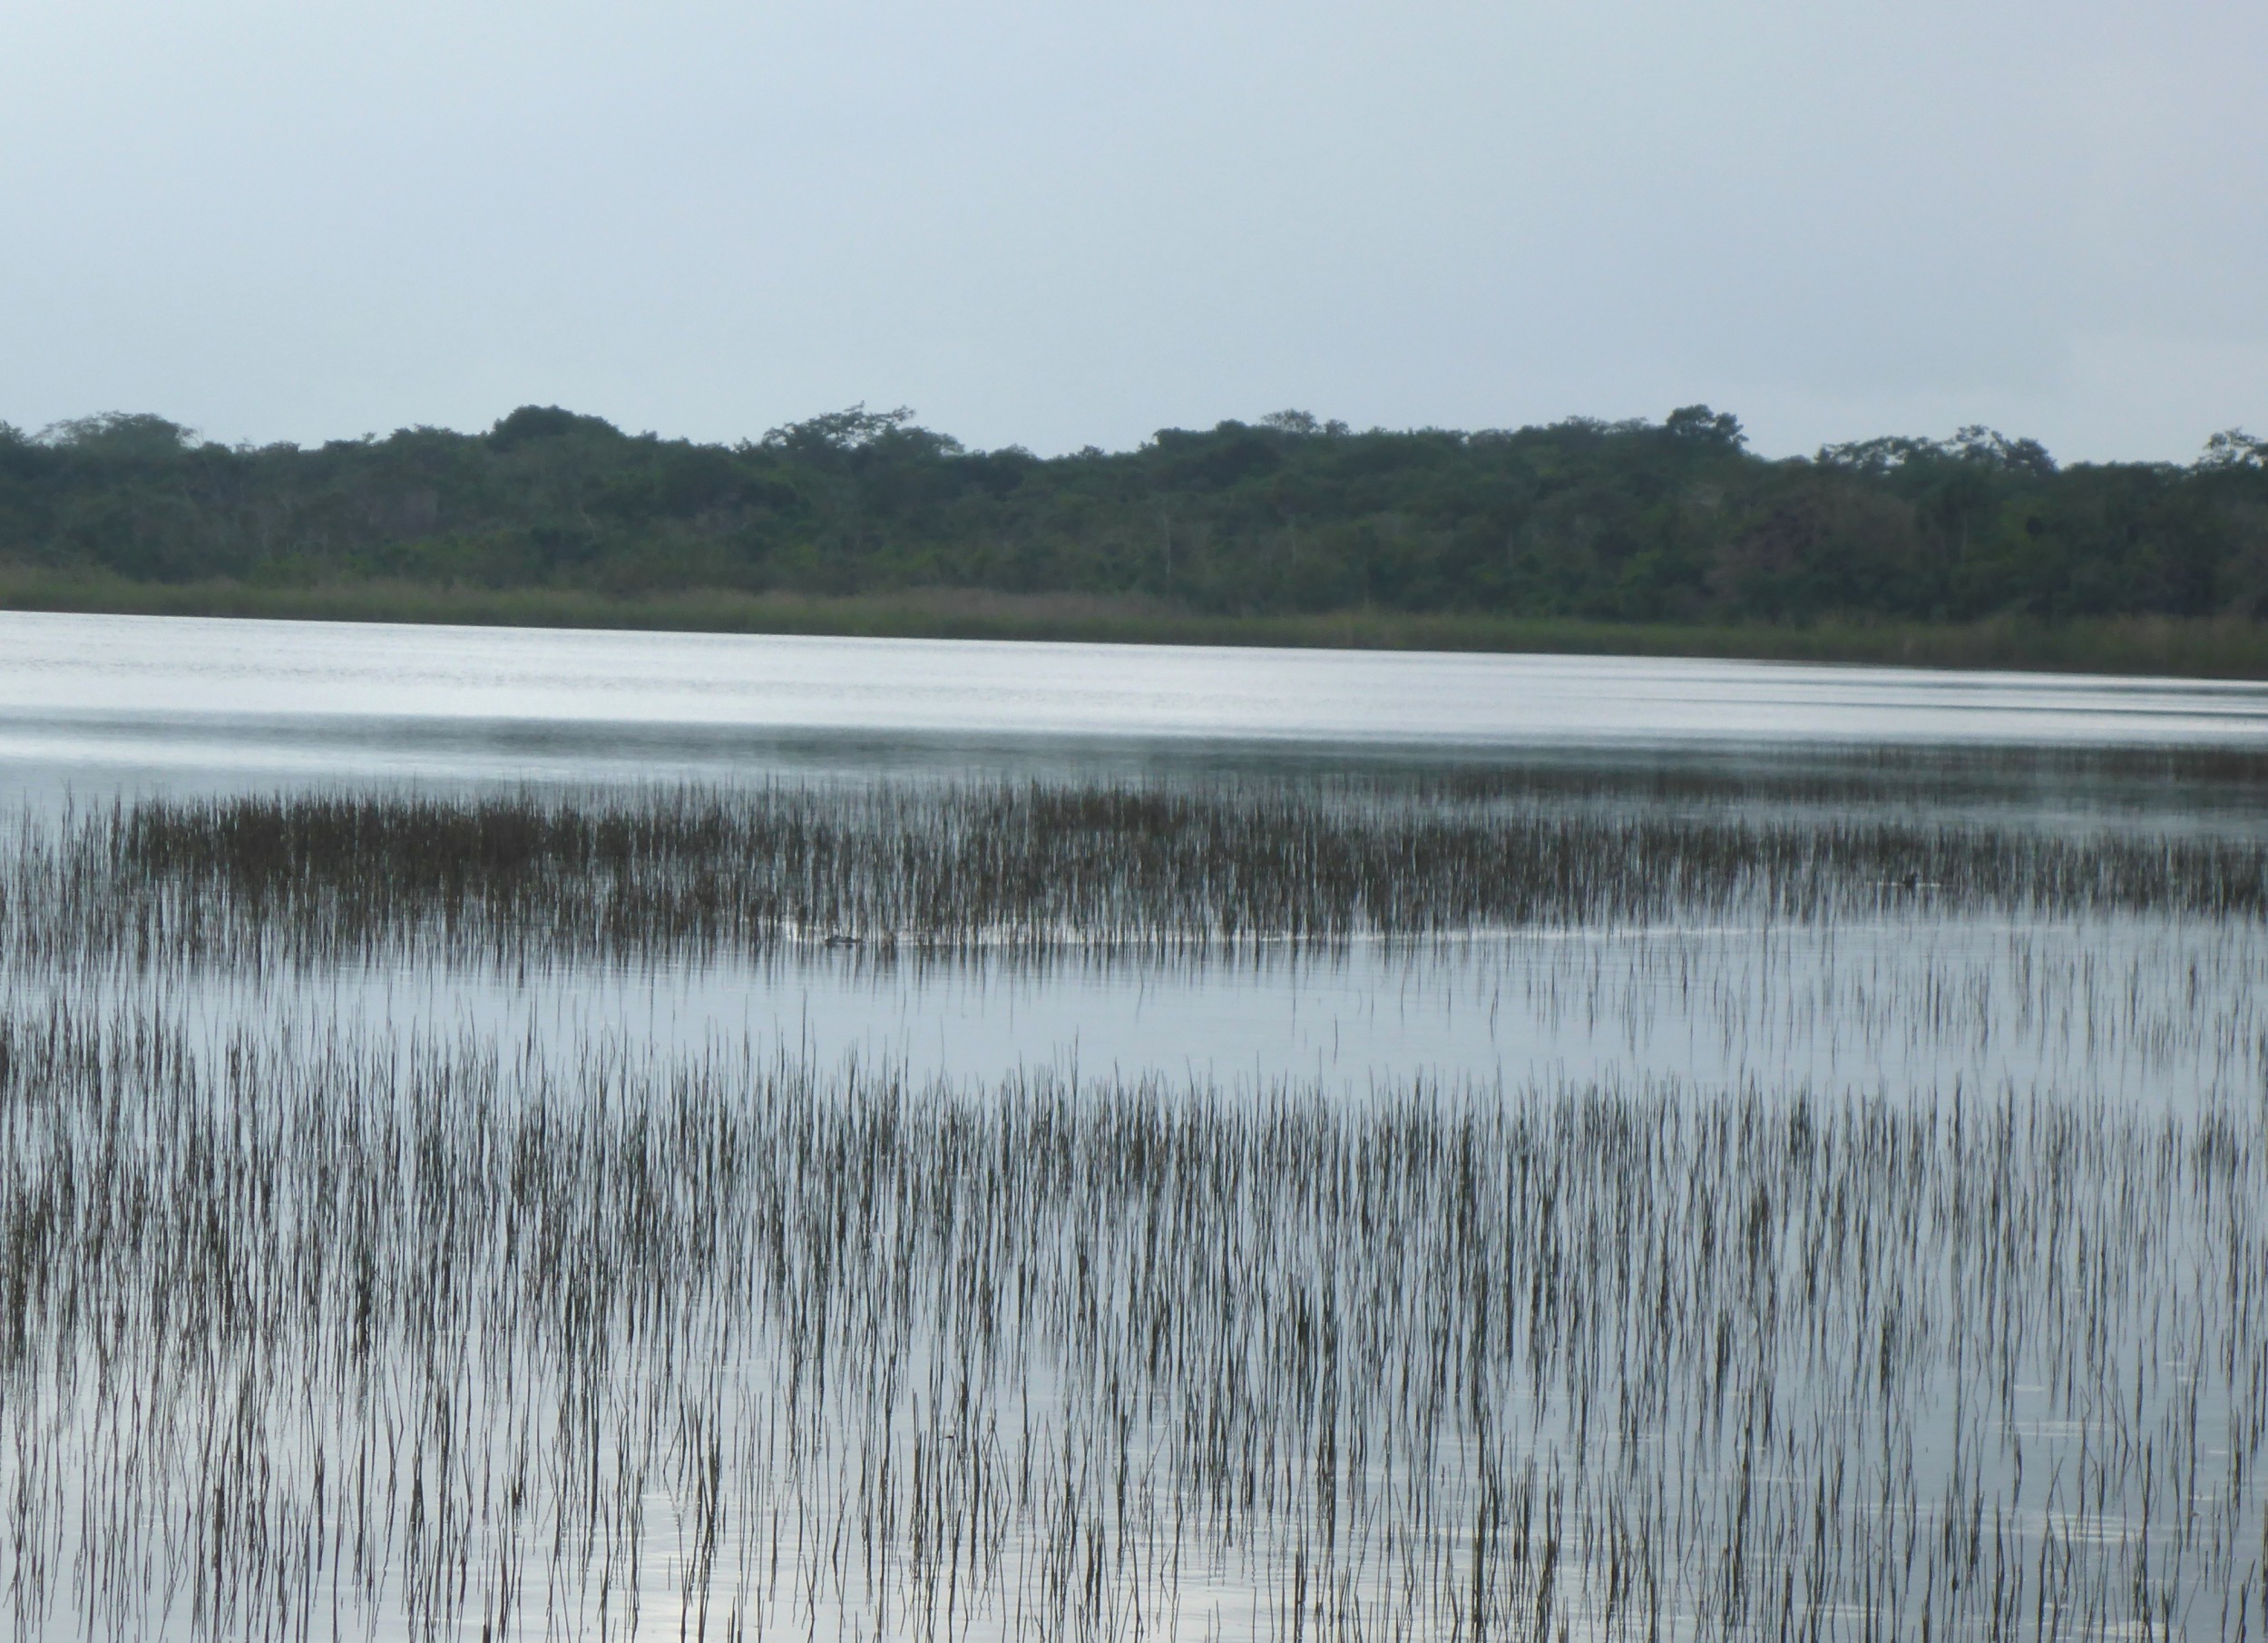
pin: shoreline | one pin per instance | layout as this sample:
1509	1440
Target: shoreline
2206	647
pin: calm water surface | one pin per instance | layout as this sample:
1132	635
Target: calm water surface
99	703
2083	1009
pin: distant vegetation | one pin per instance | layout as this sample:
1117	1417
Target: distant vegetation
1674	522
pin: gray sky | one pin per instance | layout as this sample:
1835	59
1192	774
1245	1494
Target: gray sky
1058	224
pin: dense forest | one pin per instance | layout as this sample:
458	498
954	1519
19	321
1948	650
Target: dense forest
1630	521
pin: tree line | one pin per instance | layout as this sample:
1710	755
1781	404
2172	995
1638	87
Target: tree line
1676	520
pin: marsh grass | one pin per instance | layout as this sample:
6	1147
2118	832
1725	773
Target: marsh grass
315	1329
644	877
314	1335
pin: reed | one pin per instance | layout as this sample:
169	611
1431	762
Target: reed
312	1335
647	876
314	1328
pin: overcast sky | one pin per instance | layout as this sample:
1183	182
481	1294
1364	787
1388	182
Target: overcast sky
1070	223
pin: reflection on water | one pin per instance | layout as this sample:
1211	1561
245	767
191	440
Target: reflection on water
108	702
337	1341
1835	1275
2158	1013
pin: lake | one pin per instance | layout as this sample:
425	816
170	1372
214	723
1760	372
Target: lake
519	1132
102	702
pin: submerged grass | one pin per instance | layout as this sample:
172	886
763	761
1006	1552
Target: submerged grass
942	868
313	1336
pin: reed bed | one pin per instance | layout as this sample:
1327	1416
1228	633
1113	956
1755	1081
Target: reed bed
312	1336
652	876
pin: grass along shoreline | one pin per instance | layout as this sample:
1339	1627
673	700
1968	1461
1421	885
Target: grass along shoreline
2207	648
